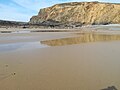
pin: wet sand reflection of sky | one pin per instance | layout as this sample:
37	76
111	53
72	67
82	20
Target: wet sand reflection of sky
78	39
20	46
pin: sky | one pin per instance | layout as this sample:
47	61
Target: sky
23	10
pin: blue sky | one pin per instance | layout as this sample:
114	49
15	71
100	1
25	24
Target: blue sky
22	10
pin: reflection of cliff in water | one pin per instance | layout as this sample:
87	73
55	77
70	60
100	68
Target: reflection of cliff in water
83	38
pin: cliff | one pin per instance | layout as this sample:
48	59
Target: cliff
80	12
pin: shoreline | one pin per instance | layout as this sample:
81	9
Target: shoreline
113	28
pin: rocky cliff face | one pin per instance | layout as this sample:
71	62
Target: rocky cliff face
80	12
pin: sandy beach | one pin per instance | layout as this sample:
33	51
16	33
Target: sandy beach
60	45
60	60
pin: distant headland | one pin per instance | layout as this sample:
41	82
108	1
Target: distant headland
74	14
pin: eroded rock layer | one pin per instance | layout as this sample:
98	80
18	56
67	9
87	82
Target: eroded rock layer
80	12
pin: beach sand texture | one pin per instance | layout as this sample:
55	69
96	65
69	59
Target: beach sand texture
59	61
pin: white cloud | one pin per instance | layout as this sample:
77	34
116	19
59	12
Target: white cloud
29	4
11	13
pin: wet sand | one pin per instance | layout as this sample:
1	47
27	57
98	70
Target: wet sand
59	61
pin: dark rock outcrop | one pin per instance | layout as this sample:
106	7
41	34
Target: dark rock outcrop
7	24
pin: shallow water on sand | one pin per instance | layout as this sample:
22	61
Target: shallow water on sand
20	46
86	61
82	38
78	39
